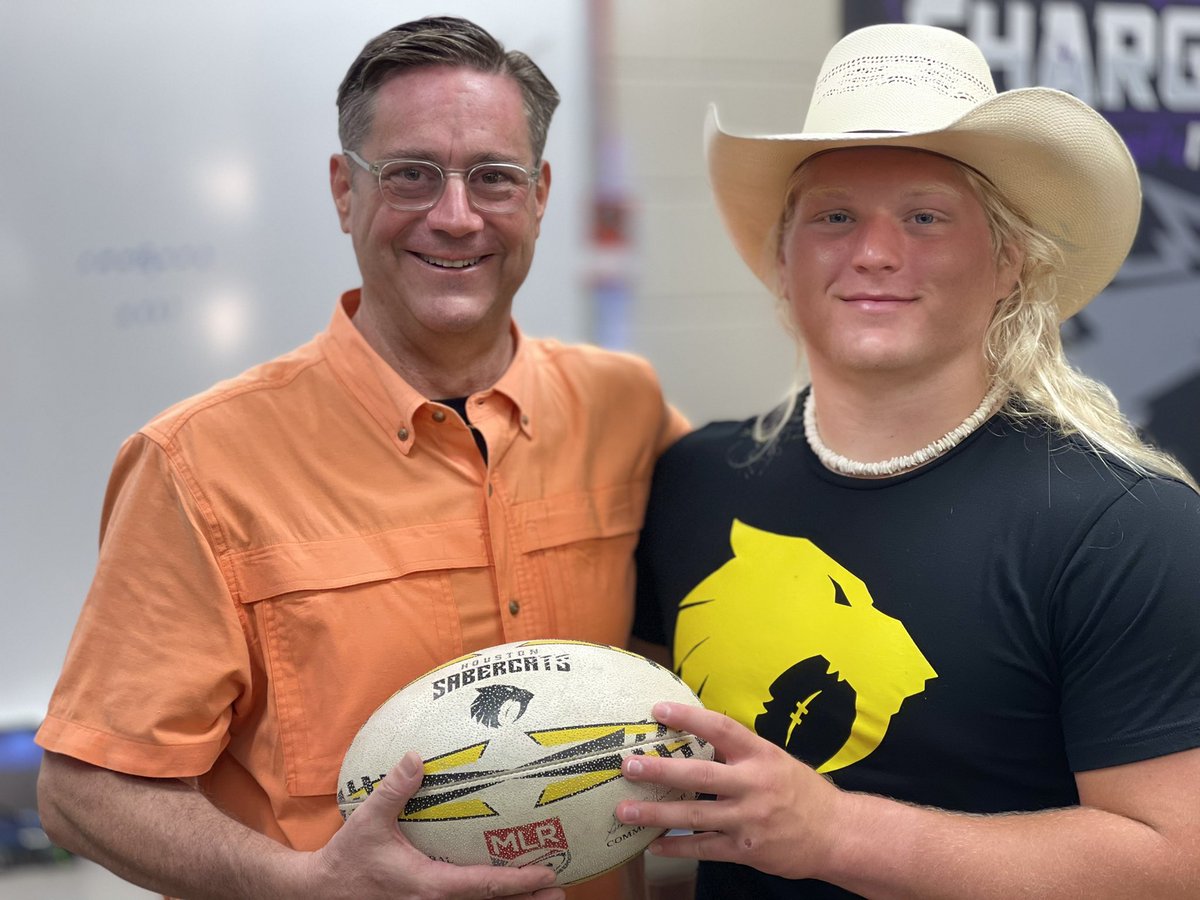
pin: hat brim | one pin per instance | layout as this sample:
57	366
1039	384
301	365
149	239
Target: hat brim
1058	161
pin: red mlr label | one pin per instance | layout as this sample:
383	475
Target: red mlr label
507	844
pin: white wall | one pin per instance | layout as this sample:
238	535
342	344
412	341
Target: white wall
706	322
165	222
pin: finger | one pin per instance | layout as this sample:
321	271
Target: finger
697	776
712	845
555	893
730	738
528	883
686	815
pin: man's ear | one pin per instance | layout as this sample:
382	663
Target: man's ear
1008	272
541	192
341	187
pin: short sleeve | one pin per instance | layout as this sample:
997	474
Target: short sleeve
647	619
1127	624
649	615
158	659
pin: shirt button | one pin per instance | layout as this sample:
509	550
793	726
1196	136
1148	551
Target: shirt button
439	415
402	434
514	607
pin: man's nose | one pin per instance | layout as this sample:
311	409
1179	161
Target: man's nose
880	243
453	212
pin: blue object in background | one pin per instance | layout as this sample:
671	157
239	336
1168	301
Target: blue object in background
22	839
18	752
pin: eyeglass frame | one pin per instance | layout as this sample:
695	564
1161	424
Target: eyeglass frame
376	169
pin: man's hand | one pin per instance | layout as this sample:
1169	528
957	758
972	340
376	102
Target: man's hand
166	836
771	811
369	857
1135	833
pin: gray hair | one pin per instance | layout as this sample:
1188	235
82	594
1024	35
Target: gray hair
440	41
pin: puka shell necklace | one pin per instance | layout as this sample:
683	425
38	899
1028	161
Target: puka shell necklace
845	466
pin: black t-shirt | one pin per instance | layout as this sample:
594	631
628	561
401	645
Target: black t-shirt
967	635
459	405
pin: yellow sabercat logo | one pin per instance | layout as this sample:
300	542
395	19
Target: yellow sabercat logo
790	643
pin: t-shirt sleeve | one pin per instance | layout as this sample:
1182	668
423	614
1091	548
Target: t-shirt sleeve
649	614
1128	629
158	658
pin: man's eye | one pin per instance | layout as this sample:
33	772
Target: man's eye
494	177
409	173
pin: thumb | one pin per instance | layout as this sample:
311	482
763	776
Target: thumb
391	794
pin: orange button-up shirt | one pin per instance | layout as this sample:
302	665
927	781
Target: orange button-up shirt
281	553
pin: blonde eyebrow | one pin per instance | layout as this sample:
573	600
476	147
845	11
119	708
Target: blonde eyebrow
835	193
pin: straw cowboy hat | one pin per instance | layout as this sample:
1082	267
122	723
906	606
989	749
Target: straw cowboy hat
1053	157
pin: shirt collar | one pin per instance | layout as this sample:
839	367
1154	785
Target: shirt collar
389	399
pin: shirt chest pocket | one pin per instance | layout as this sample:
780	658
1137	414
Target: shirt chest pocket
342	625
580	549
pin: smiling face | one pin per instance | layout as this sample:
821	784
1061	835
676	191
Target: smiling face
888	266
448	271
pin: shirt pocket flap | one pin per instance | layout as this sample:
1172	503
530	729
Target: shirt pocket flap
569	519
279	569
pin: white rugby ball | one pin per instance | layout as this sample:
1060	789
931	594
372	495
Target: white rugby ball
522	745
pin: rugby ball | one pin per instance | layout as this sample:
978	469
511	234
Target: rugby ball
522	745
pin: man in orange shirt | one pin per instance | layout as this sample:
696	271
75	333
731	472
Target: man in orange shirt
282	552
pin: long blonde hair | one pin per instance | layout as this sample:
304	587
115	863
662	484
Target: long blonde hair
1023	348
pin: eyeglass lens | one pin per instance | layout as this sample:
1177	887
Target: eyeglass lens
496	187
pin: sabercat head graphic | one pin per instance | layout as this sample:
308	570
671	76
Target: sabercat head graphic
499	704
790	644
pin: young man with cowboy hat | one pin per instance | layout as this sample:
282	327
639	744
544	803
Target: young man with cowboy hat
946	577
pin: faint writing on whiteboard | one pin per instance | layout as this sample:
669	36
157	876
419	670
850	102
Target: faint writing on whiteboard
146	311
147	258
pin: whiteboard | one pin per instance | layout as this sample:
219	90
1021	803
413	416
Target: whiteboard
165	222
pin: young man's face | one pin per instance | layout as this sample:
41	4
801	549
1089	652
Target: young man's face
450	269
888	266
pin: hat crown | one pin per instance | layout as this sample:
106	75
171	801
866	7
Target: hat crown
898	78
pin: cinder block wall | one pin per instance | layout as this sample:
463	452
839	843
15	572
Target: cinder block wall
711	329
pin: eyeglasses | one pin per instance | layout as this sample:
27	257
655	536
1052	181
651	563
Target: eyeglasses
415	184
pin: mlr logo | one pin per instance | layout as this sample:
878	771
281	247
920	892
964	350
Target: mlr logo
538	843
